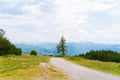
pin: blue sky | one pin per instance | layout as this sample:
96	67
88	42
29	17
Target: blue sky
47	20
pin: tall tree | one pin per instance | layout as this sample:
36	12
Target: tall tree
61	47
6	47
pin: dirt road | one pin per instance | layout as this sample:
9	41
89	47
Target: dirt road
77	72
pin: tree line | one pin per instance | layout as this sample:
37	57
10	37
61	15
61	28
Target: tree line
102	55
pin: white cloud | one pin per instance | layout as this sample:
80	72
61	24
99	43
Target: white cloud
32	10
115	11
75	13
68	17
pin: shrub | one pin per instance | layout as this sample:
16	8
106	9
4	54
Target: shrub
18	51
33	52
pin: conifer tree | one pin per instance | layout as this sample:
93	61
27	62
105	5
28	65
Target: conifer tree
61	47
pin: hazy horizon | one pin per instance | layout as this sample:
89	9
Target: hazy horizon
27	21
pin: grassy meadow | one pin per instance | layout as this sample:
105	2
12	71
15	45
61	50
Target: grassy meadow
108	67
27	67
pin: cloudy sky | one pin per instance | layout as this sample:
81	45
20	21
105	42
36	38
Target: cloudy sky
47	20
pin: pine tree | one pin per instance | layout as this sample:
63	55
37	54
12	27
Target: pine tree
61	47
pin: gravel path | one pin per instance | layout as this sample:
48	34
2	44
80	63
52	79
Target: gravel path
77	72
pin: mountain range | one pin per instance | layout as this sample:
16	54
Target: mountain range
47	48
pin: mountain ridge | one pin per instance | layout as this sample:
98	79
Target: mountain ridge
73	47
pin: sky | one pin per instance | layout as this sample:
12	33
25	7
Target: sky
47	20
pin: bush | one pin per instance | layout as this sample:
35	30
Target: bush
18	51
102	55
33	52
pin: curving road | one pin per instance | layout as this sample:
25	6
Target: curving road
77	72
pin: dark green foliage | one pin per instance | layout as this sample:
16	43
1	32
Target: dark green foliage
6	47
33	52
102	55
61	47
18	51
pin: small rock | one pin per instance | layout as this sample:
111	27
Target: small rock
43	64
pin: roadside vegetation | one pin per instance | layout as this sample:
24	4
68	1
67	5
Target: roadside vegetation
27	67
102	55
108	67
